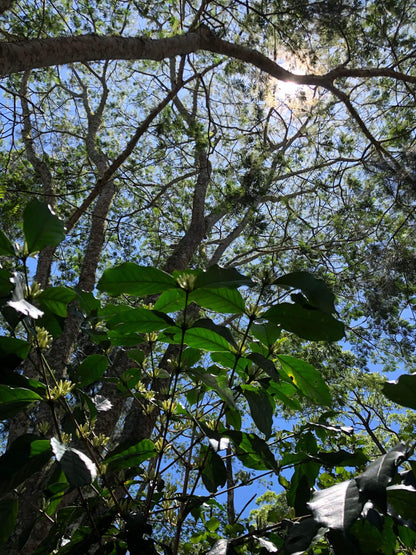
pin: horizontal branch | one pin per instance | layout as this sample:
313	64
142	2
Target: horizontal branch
37	53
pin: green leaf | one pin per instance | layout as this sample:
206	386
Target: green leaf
266	333
218	383
306	378
6	247
307	323
265	364
125	320
213	471
261	407
15	399
56	299
41	227
315	289
201	338
402	391
216	277
8	517
252	451
224	332
301	486
25	456
133	455
286	393
221	300
91	369
171	300
131	279
78	468
6	285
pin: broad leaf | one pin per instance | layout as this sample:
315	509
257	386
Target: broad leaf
130	456
402	391
301	535
315	289
265	364
8	517
91	369
307	323
206	339
213	471
252	451
373	482
403	500
171	300
15	399
261	407
6	247
56	299
6	285
131	279
338	506
13	351
78	468
221	300
305	377
266	333
216	277
25	456
218	383
125	320
41	227
301	486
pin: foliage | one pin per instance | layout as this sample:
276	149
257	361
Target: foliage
213	371
185	188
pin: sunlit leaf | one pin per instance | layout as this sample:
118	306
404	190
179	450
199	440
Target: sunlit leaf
78	468
6	247
337	507
130	456
221	300
305	377
91	369
41	227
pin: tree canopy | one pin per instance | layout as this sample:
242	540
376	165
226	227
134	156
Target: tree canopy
206	251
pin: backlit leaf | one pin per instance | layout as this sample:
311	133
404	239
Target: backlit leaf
15	399
402	391
221	300
216	277
56	299
41	227
306	378
315	289
131	279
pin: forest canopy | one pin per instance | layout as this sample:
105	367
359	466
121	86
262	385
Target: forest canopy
207	279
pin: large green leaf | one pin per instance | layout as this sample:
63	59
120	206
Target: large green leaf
6	285
56	299
41	227
306	322
8	517
125	320
130	456
25	456
15	399
301	535
131	279
13	351
200	338
402	391
91	369
216	277
223	331
266	333
171	300
306	378
301	486
261	407
6	247
221	300
213	471
265	364
315	289
286	393
78	468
